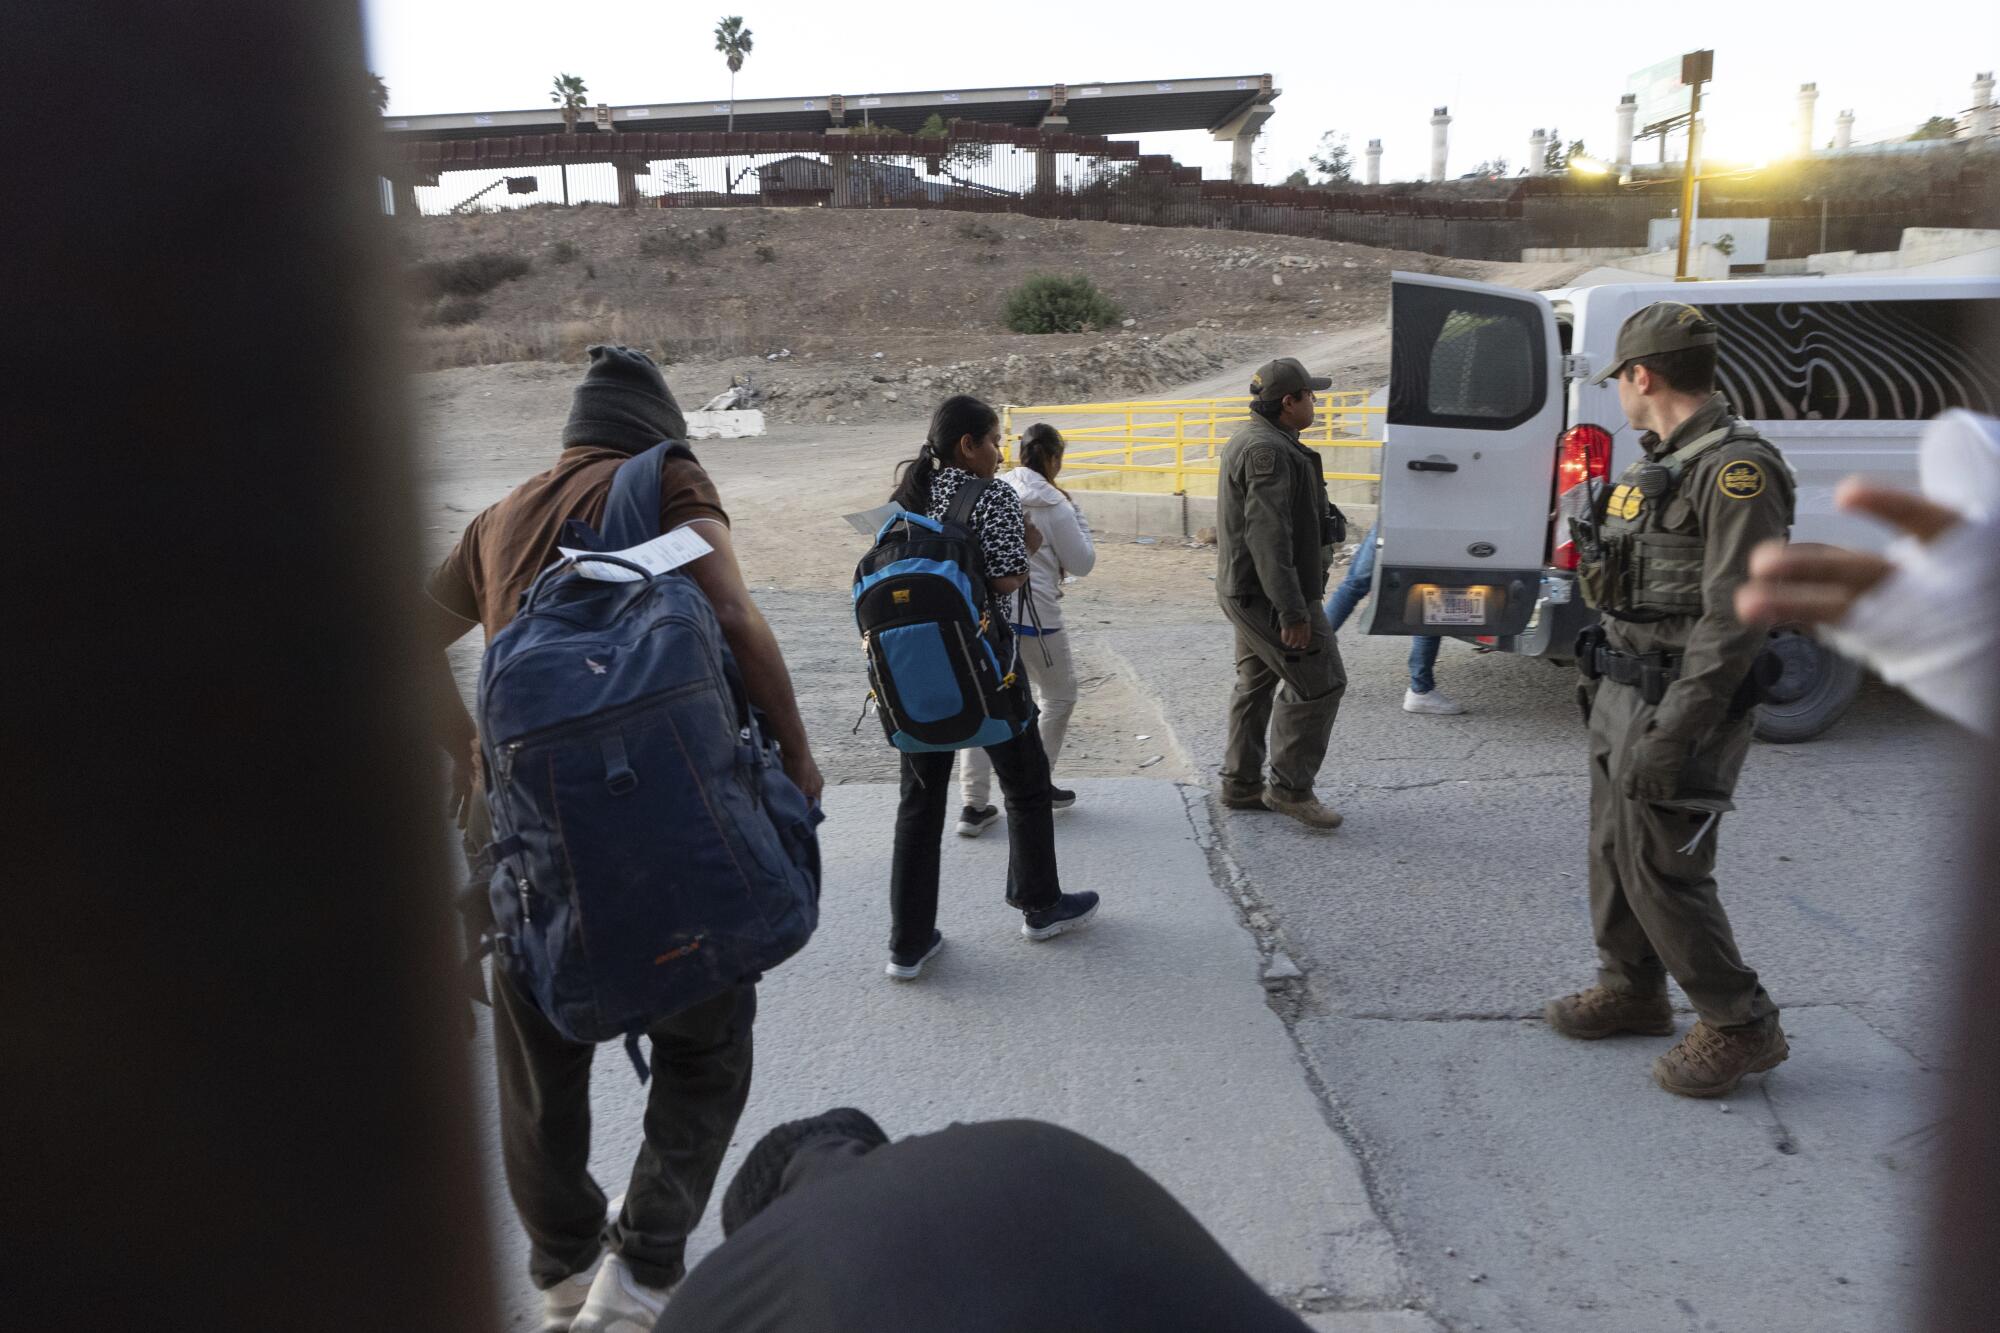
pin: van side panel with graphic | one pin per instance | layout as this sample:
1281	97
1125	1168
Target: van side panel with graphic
1494	436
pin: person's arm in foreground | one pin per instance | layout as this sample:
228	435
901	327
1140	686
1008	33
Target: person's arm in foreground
758	657
1925	620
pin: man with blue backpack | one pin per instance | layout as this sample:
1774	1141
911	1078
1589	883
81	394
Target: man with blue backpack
652	802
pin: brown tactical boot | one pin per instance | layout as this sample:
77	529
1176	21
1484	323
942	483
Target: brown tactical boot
1595	1013
1307	811
1242	798
1710	1062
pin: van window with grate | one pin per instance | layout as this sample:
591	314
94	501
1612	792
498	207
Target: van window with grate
1465	359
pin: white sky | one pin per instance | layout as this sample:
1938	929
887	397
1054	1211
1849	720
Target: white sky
1372	71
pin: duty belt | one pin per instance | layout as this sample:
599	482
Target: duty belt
1633	668
1650	673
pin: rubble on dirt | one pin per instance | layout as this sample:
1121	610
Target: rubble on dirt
1111	369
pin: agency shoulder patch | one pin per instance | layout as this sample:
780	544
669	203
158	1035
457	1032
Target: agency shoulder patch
1740	480
1263	461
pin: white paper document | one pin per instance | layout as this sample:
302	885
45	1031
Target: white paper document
669	551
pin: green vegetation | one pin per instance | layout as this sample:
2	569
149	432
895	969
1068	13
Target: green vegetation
1050	304
1332	160
733	40
569	94
1937	127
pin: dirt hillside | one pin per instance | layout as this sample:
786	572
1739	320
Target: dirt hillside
843	316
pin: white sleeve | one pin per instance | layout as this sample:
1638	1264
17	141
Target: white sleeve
1064	526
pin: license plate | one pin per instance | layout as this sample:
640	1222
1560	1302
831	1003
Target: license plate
1454	606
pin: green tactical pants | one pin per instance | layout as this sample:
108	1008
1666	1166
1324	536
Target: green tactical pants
1653	899
1292	694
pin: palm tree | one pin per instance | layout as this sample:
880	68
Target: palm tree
733	40
378	92
568	94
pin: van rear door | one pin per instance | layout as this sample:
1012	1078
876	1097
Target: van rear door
1468	459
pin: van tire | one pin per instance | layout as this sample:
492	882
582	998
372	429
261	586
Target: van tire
1814	692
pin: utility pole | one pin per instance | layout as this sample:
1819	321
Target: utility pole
1697	68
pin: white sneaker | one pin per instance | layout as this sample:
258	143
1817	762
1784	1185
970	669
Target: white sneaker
1436	702
618	1303
564	1301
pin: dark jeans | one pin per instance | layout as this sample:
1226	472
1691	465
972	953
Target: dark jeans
1022	766
999	1227
1348	594
701	1078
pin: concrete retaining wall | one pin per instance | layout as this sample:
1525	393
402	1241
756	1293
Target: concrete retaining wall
1123	515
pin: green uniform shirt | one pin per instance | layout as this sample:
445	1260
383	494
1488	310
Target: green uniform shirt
1728	500
1270	504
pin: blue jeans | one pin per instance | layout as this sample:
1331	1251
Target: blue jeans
1347	595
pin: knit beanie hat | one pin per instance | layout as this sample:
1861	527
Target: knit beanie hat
623	403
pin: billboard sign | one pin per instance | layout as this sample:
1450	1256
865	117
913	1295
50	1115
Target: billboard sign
1661	94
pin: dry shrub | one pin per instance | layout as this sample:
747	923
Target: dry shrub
469	275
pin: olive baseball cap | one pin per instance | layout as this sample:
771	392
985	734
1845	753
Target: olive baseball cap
1276	380
1664	326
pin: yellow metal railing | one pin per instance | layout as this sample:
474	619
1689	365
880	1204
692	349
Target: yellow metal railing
1184	436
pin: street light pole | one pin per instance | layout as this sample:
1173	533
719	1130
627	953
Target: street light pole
1697	68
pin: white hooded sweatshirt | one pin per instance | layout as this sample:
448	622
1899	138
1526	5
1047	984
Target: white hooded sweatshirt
1066	546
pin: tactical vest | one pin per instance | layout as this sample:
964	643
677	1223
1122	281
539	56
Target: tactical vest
1629	569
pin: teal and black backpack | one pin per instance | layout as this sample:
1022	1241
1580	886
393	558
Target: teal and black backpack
942	667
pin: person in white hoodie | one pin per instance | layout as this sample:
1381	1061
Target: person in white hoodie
1036	610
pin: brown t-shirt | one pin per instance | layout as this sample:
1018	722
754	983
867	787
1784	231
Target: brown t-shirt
507	544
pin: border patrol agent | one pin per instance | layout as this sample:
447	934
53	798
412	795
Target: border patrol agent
1276	533
1670	677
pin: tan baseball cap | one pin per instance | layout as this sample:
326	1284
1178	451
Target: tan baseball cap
1277	380
1664	326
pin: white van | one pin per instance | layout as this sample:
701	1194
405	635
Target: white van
1494	431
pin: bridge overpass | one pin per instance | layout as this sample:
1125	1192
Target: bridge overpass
1233	108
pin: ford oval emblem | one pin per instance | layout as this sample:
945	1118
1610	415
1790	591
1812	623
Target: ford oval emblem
1480	550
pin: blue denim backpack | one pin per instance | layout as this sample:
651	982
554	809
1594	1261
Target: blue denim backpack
649	850
942	667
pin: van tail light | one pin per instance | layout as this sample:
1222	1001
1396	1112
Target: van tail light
1583	456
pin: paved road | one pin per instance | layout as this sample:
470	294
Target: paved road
1405	1058
1544	1185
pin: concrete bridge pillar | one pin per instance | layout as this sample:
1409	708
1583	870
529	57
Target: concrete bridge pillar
1538	153
1808	99
1374	161
1984	122
1241	130
1440	141
1843	131
628	181
1628	112
403	193
1045	158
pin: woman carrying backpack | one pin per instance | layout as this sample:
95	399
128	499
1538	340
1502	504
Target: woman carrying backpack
1036	611
963	446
